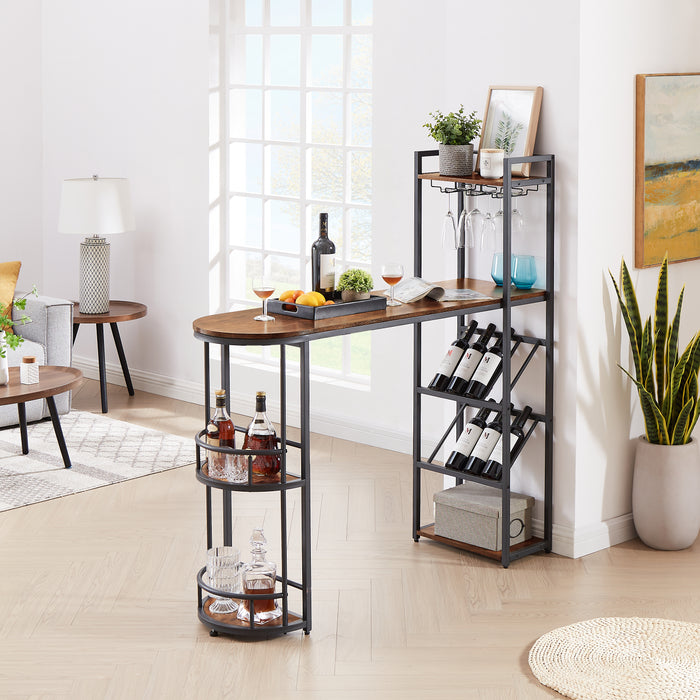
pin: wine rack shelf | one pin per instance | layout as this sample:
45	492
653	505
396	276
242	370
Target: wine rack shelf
505	189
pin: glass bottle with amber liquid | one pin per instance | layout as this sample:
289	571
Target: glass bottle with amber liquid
261	435
259	578
323	261
220	433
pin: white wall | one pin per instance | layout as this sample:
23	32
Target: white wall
20	138
125	95
618	41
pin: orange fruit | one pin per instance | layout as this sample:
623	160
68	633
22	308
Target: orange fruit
329	302
297	294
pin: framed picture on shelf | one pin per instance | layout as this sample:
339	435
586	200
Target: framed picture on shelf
510	122
667	168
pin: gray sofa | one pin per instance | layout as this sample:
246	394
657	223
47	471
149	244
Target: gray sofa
49	336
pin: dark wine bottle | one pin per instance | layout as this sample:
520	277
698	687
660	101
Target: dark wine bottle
487	372
494	466
469	362
451	360
469	437
484	446
323	261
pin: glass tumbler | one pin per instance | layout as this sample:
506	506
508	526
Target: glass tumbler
224	571
524	271
497	268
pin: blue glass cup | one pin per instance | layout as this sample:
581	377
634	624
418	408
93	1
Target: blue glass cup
523	271
497	268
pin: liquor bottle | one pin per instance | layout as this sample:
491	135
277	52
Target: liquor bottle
484	446
451	360
259	578
488	371
467	440
220	433
261	436
469	362
323	261
494	467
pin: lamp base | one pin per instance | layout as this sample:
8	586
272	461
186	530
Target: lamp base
94	275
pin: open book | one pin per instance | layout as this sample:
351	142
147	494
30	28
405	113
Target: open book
414	288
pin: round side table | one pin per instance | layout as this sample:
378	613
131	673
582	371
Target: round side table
119	311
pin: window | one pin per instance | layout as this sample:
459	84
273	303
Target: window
291	137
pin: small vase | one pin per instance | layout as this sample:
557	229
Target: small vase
456	161
4	368
665	494
350	295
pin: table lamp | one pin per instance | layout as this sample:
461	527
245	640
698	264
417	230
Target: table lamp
95	207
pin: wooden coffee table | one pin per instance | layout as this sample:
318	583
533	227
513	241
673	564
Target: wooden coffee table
52	381
118	311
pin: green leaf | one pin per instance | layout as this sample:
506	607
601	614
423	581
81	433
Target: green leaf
654	422
634	342
672	343
660	327
678	436
630	298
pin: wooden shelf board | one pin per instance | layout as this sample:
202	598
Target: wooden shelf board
231	619
429	532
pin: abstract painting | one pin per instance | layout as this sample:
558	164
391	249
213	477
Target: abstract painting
510	122
667	174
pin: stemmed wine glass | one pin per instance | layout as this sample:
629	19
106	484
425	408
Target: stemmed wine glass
263	289
449	228
392	274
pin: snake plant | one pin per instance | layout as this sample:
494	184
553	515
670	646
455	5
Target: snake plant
667	383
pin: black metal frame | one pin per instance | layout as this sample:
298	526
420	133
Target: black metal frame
286	483
506	192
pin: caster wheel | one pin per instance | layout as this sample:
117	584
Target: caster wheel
213	633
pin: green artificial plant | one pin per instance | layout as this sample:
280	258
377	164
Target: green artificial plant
455	128
11	339
666	383
355	280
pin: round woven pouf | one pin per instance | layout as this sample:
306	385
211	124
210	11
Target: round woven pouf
620	657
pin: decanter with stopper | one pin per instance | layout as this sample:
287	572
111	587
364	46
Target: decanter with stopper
259	577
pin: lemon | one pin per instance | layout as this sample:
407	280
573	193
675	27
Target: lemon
321	299
308	299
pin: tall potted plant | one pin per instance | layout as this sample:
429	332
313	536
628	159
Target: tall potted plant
454	133
9	339
666	481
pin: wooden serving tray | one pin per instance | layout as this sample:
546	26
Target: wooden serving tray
339	308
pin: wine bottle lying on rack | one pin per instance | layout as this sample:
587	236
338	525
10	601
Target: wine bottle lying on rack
469	362
451	360
488	371
484	446
467	440
494	467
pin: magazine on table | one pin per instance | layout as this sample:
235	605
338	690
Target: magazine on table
414	289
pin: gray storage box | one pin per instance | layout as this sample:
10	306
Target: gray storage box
471	513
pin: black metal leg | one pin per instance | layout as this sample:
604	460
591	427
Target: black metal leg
76	328
101	364
304	377
57	429
21	411
122	358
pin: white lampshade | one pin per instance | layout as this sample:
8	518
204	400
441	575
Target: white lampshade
96	206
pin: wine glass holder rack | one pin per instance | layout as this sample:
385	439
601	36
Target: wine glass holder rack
504	189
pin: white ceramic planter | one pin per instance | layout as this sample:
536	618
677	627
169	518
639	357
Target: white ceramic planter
666	494
456	161
4	370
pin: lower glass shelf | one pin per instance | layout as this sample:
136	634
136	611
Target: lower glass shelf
429	532
228	623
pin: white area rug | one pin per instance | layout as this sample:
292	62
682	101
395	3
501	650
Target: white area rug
102	450
620	657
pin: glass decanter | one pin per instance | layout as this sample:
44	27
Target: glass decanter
259	577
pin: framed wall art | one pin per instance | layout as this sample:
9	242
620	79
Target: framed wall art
667	168
510	122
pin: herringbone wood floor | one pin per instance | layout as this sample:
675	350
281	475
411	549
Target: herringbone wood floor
98	597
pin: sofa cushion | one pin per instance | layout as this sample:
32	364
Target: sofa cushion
9	272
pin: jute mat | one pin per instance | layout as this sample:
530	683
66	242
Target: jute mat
103	451
620	657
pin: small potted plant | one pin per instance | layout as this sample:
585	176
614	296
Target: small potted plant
455	133
355	284
8	339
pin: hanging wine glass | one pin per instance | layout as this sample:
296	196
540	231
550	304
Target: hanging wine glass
475	226
449	228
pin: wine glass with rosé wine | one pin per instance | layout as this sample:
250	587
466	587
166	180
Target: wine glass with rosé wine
263	289
392	274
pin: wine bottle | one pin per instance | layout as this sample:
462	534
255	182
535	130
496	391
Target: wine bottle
488	371
469	437
451	360
494	466
323	261
220	433
484	446
261	436
469	362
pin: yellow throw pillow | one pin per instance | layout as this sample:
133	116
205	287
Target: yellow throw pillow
9	272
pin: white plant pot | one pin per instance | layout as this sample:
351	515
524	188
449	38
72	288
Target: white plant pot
666	494
456	161
4	368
